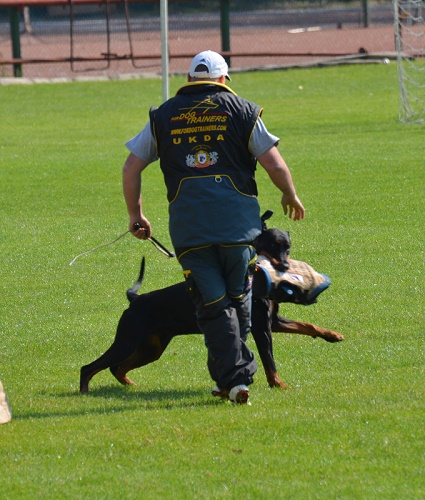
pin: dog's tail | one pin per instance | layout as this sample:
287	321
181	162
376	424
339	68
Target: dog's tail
132	292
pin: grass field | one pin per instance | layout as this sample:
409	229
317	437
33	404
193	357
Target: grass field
352	423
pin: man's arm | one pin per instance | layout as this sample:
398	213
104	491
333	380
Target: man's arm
279	173
132	183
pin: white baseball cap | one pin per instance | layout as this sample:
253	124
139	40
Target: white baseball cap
215	63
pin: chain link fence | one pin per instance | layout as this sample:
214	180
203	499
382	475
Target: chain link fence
120	37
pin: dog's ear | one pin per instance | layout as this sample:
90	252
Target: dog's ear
266	216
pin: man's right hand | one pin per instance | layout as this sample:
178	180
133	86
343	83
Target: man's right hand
141	228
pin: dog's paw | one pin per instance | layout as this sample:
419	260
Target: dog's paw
274	380
127	381
331	336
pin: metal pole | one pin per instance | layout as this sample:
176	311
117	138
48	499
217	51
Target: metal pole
16	40
164	49
225	27
365	13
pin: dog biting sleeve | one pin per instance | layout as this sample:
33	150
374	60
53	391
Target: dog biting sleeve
301	284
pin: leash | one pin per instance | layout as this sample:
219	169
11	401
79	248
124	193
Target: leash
161	247
154	241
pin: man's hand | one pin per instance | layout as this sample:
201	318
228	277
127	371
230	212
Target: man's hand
140	228
293	207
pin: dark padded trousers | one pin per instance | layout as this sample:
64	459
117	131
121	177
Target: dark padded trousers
218	279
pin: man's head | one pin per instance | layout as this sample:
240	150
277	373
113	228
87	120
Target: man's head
208	65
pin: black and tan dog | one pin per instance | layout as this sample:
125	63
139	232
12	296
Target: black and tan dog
146	328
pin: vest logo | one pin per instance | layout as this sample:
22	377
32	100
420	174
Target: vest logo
201	159
206	111
193	139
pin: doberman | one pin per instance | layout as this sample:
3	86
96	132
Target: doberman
146	328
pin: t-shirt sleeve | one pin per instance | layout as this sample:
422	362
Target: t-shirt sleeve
261	139
143	145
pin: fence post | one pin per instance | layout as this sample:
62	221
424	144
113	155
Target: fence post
16	40
164	50
365	13
225	27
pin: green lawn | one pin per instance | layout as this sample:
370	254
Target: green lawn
352	423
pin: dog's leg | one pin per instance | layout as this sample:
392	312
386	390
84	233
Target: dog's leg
120	373
112	355
125	342
87	372
148	351
261	331
134	361
279	324
110	358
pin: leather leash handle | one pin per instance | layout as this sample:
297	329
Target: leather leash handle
159	245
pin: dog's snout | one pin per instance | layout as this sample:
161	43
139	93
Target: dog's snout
282	266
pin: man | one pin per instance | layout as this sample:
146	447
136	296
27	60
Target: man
208	141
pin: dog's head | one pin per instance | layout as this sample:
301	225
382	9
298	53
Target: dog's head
275	245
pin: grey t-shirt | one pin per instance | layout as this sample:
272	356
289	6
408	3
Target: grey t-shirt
144	147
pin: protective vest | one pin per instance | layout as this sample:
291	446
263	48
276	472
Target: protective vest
202	137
